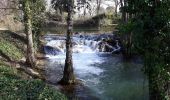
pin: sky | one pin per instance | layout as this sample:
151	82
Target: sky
48	3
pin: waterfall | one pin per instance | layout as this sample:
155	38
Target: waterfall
82	44
104	74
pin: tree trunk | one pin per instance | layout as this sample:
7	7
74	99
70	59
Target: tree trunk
155	91
98	6
84	13
30	59
116	6
97	14
124	14
68	77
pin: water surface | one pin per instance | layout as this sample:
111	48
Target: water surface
105	76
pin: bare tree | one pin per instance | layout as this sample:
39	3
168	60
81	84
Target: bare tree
116	6
98	6
97	12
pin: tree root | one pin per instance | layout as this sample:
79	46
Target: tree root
24	68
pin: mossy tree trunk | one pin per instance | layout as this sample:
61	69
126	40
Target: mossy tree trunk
127	36
68	77
30	59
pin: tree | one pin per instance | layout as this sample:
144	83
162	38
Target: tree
125	29
30	59
84	5
37	21
60	6
97	11
68	76
116	7
98	2
149	22
123	6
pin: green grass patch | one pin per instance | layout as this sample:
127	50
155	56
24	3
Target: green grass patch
13	87
12	45
10	50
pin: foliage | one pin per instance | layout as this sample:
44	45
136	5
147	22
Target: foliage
12	87
149	24
37	17
38	20
62	5
38	12
126	33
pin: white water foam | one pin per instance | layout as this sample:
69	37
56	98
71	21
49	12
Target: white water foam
82	63
85	57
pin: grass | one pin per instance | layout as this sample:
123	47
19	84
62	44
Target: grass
13	87
12	45
8	49
14	84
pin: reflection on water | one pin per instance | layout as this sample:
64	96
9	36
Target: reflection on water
104	76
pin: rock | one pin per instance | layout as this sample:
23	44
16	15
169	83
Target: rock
74	43
102	43
81	36
51	50
76	33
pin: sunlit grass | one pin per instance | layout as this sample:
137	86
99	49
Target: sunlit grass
10	50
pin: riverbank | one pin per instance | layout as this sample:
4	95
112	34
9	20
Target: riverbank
62	29
104	76
15	83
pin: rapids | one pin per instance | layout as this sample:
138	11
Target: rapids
99	65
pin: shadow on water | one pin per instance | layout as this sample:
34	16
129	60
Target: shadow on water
78	92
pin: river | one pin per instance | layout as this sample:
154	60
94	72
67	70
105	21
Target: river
105	76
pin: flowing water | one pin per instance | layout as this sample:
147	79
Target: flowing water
105	75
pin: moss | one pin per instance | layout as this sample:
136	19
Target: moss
13	87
